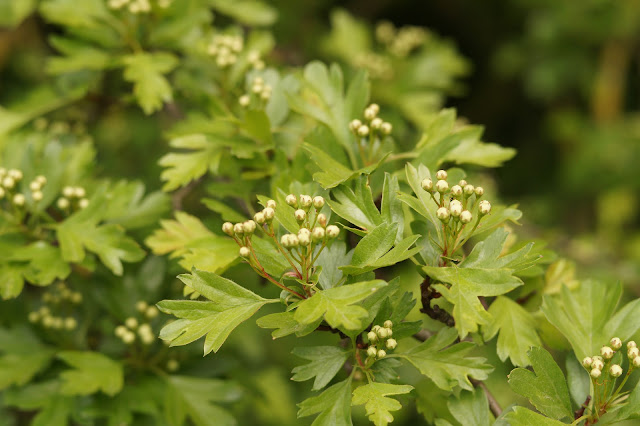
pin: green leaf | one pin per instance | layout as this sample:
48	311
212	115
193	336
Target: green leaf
23	356
330	260
517	329
73	14
146	71
587	316
55	408
391	206
285	324
13	12
521	416
92	372
45	263
629	411
447	365
578	380
333	406
248	12
183	167
336	305
356	207
12	282
232	305
471	408
325	363
378	406
545	387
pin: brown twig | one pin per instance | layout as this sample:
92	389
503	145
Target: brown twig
494	405
580	412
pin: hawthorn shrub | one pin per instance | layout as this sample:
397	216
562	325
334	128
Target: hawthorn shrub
329	222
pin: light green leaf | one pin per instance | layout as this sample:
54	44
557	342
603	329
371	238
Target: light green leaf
447	365
336	305
92	372
13	12
391	206
521	416
378	406
629	411
70	13
471	408
248	12
517	329
545	387
356	207
285	324
147	73
325	363
55	408
183	167
11	282
333	406
23	356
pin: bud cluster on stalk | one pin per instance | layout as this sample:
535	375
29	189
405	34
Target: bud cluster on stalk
258	95
138	328
138	6
602	364
56	313
400	41
370	133
380	341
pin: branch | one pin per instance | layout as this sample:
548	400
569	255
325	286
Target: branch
494	406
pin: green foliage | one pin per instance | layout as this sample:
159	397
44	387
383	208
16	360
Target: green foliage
378	406
91	372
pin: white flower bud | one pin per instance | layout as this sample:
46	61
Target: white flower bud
227	228
141	305
456	190
76	298
128	337
372	351
120	331
441	174
18	200
383	333
300	215
388	324
292	200
372	336
631	344
369	114
304	239
70	323
272	204
258	218
381	354
363	130
332	231
597	364
466	216
636	362
391	344
615	343
152	312
244	100
305	201
479	191
15	174
442	186
469	189
33	317
376	123
427	184
249	227
68	191
443	214
462	183
304	231
35	186
238	229
455	208
317	234
632	352
173	365
131	322
375	108
318	202
269	214
8	182
79	192
595	373
389	331
615	370
83	204
322	220
586	362
375	328
293	241
355	125
607	352
245	252
386	128
484	207
37	196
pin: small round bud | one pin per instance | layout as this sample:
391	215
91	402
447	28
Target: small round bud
462	183
121	330
271	203
15	174
391	344
372	351
636	362
305	201
332	231
354	125
427	184
227	228
18	200
318	202
245	252
68	191
586	362
317	234
632	353
304	239
455	207
469	189
141	305
300	215
8	182
595	373
128	337
375	328
173	365
607	352
441	174
292	200
131	322
388	324
363	130
372	336
303	231
369	114
479	191
79	192
375	108
76	297
35	186
259	218
442	186
615	343
269	214
631	344
83	204
152	312
293	241
484	207
249	227
37	196
238	229
376	123
383	333
456	190
70	323
443	214
615	370
33	317
322	220
597	357
386	128
244	100
381	353
466	216
597	364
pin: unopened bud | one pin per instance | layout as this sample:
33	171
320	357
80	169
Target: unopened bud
304	239
8	182
18	200
597	364
469	189
318	234
83	204
120	331
607	352
369	114
443	214
244	100
271	203
322	220
386	128
305	201
258	218
354	125
456	190
381	353
615	370
636	362
479	191
632	353
616	343
363	130
249	227
269	214
332	231
227	228
152	312
427	184
466	216
376	123
70	323
372	351
484	207
388	324
383	333
441	174
595	373
455	208
631	344
68	191
442	186
238	229
37	196
300	215
245	252
462	183
131	322
375	108
318	202
586	362
292	200
373	337
391	344
35	186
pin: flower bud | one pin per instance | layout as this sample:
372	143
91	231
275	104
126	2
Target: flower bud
455	208
304	239
456	190
466	216
70	323
616	343
141	305
388	324
18	200
615	370
227	228
595	373
79	192
83	204
441	174
300	215
271	203
386	128
152	312
427	184
391	344
259	218
632	353
597	364
249	227
443	214
269	214
373	337
15	174
389	332
469	189
128	337
332	231
442	186
369	114
363	130
245	252
375	108
317	234
372	351
636	362
381	354
375	328
354	125
305	201
238	229
8	182
376	123
484	207
292	200
607	352
322	220
68	191
173	365
586	362
318	202
293	241
34	317
131	322
462	183
35	186
631	344
383	333
244	100
479	191
37	196
120	331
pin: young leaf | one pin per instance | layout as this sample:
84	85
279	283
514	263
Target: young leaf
378	406
147	73
356	207
629	411
546	387
325	363
23	356
447	365
336	305
517	330
92	372
333	406
521	416
55	408
183	167
471	408
285	324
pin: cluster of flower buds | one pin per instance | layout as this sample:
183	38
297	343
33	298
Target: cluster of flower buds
127	332
137	6
225	49
253	57
60	293
58	297
373	125
149	311
313	224
41	124
596	364
9	180
400	42
259	91
457	202
73	197
378	66
47	320
380	341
